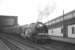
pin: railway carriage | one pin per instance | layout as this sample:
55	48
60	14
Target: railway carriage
7	23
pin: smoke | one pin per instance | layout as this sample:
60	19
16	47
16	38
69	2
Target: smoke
46	8
0	1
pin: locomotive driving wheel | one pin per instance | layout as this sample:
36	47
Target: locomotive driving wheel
36	39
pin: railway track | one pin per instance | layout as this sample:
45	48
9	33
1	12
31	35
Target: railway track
60	46
37	47
10	45
22	44
19	43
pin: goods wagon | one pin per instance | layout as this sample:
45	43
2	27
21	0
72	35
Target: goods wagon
63	28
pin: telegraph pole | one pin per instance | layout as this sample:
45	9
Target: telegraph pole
64	26
63	18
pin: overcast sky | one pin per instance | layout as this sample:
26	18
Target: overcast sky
27	10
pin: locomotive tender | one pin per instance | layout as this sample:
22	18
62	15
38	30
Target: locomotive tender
62	28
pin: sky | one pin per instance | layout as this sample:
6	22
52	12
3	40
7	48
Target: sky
28	10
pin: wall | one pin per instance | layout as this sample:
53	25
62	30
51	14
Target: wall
8	20
71	32
55	32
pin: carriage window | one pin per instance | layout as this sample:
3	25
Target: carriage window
73	30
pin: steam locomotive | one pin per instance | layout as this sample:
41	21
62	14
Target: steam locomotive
34	31
37	32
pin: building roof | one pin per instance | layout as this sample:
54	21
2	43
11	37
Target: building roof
10	16
61	17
